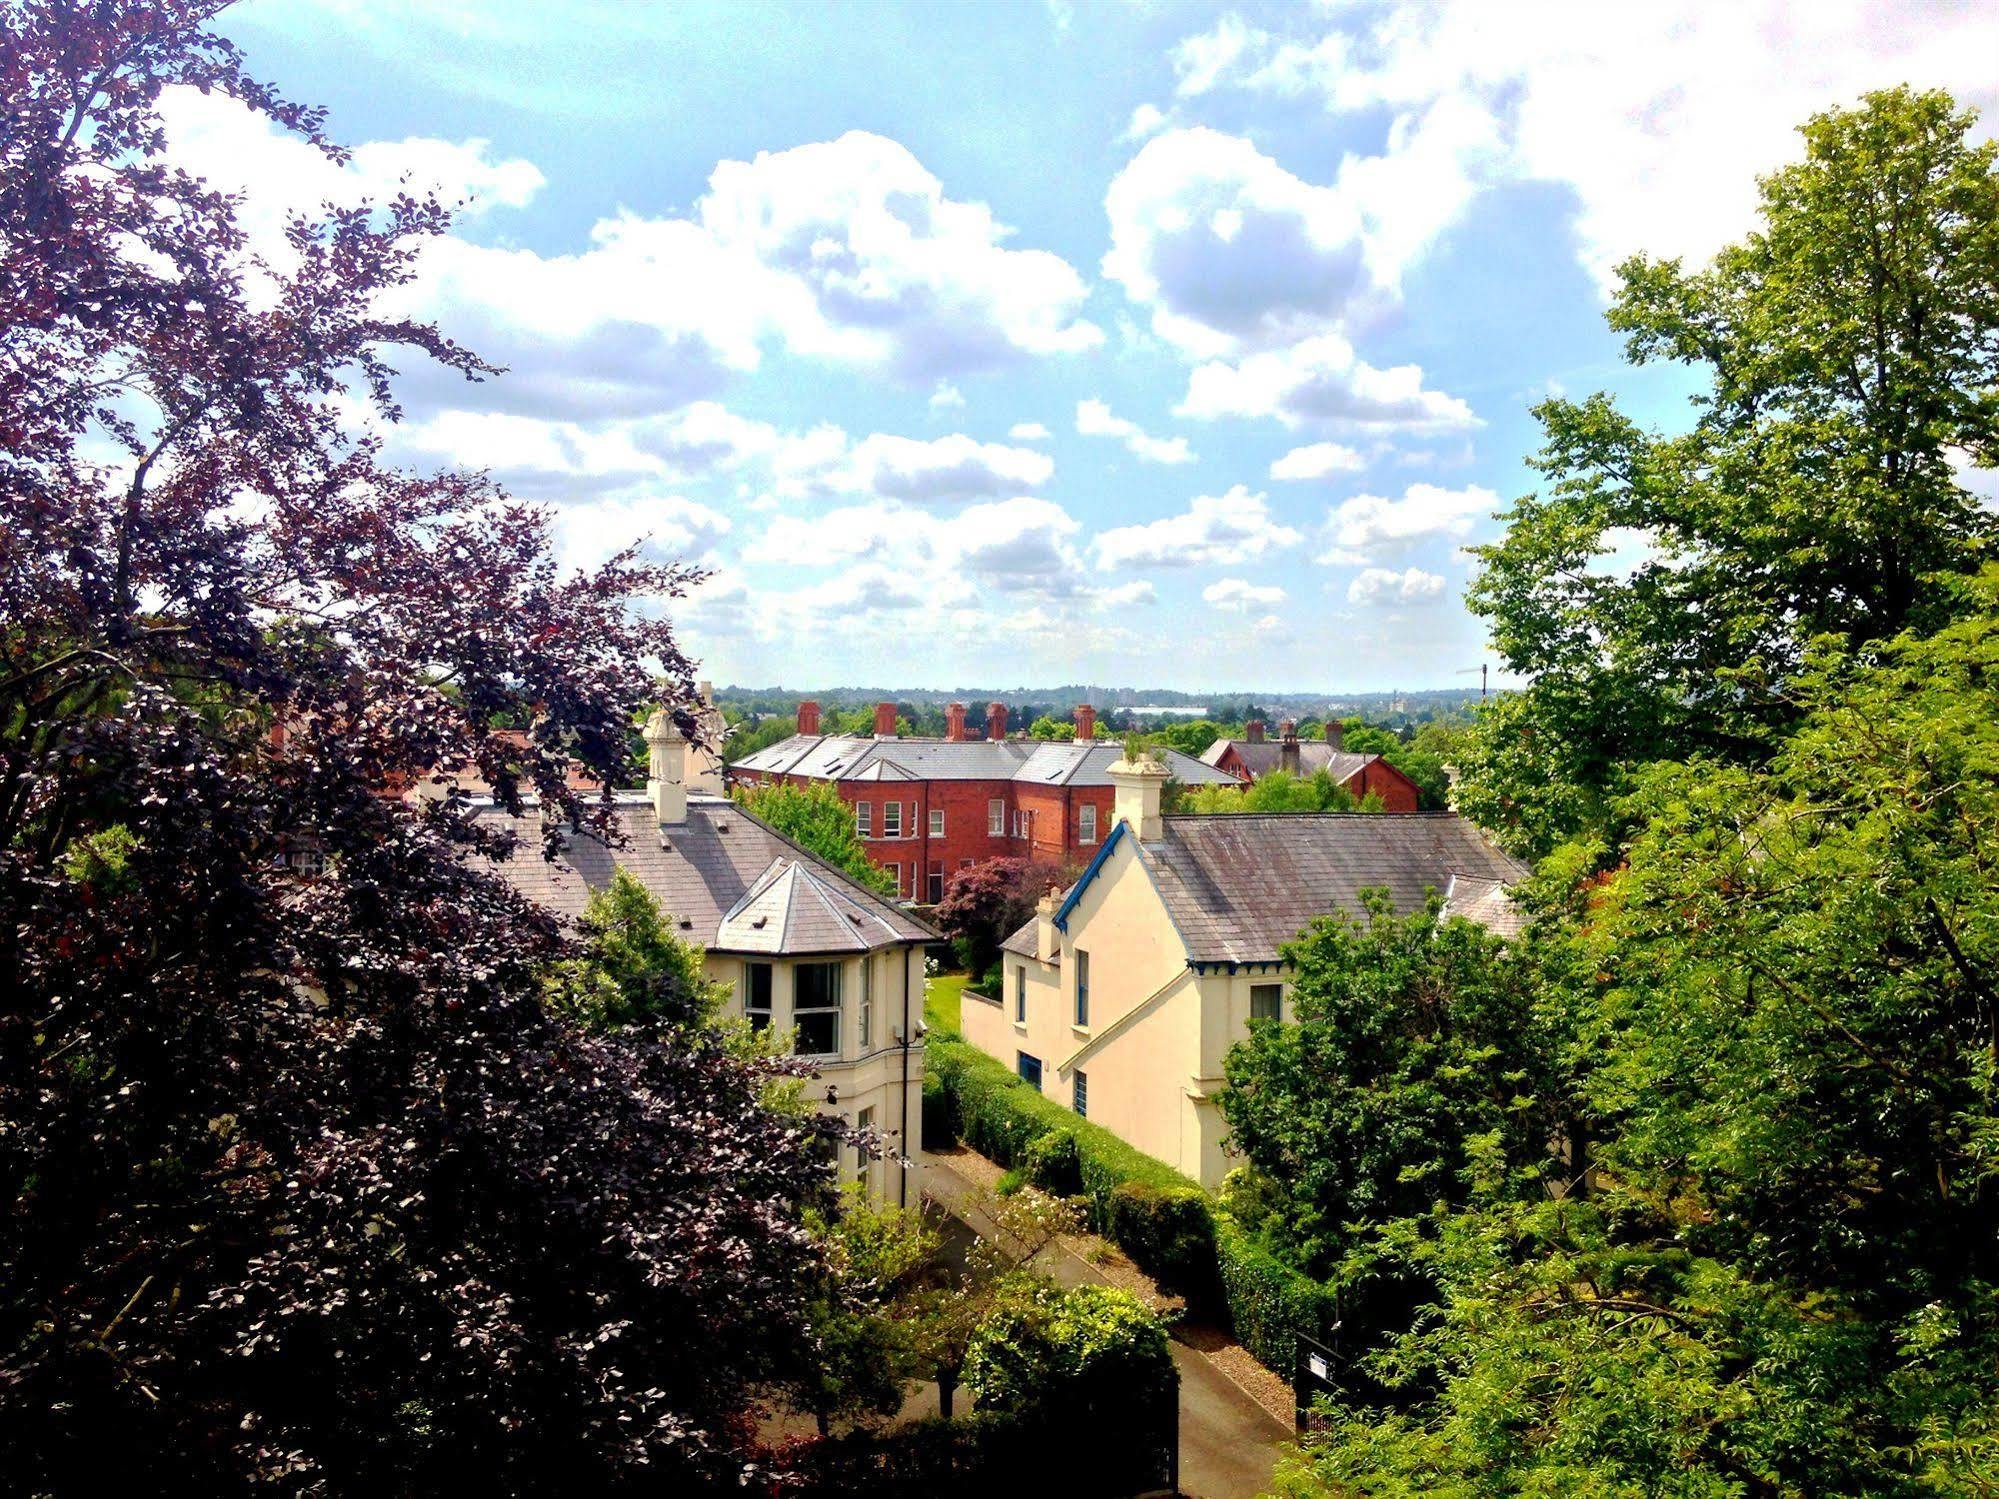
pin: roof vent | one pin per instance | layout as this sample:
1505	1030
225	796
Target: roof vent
759	922
686	924
721	827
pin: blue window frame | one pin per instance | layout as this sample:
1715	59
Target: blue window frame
1080	1095
1030	1070
1082	987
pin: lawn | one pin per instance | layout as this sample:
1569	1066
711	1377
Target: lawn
942	999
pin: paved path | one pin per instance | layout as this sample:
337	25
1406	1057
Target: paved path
1228	1443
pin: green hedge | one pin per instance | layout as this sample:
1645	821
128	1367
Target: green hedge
1171	1228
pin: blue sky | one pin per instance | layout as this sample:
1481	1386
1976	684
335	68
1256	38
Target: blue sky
1137	343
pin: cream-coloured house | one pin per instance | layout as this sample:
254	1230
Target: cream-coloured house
799	945
1122	996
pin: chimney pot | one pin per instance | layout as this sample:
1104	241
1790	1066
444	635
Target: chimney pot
1086	723
1256	731
1288	729
996	721
884	720
808	718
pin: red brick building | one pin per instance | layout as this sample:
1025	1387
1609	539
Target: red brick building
1363	775
927	807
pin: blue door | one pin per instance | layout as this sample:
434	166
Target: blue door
1030	1069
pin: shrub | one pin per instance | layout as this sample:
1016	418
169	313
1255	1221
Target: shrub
1092	1354
940	1111
1054	1163
1171	1228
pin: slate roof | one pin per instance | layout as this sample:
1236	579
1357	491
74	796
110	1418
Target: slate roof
715	874
1261	757
834	757
1240	885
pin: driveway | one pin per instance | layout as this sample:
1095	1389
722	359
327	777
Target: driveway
1229	1444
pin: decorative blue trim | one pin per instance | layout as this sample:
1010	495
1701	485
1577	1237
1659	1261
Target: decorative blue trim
1097	862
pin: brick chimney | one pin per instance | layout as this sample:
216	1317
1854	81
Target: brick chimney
1287	752
954	722
1086	723
884	720
996	721
808	718
1255	731
1336	735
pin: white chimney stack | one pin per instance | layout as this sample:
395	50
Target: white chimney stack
1046	940
666	767
1140	784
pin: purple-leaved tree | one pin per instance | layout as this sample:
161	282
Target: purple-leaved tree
304	1186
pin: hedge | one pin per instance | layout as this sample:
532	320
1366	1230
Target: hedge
1170	1227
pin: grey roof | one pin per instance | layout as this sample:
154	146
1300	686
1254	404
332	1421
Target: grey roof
834	757
1240	885
1483	901
1024	943
1261	756
707	873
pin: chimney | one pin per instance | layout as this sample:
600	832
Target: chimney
954	722
884	720
1255	731
1046	939
1336	735
1139	784
808	718
666	767
996	721
1086	724
705	692
1287	751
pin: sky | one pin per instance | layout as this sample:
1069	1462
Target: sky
1133	343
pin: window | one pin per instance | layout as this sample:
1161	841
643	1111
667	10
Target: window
1086	823
1030	1069
864	819
996	818
1082	987
966	863
815	1009
936	883
867	1017
936	824
1020	994
1080	1095
1266	1001
756	995
864	1121
1019	824
891	819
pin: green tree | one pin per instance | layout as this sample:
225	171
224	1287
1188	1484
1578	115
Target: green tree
1046	727
747	741
1092	1355
1411	1036
632	971
1783	1020
1850	351
815	818
1280	791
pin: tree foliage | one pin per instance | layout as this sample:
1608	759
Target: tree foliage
1094	1354
988	902
632	971
815	818
306	1186
1280	791
1850	352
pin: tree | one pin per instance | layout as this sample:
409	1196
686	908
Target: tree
633	971
307	1187
1092	1356
1782	1019
1851	353
1045	727
1412	1036
1280	791
747	741
988	902
815	818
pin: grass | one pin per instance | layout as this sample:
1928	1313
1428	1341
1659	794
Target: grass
943	1001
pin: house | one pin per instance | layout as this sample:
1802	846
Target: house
798	945
1121	997
1251	758
927	807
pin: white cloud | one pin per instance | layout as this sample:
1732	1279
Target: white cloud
946	397
1316	460
1094	419
1027	541
1239	595
1138	591
1381	586
1372	522
1145	120
944	468
1223	529
671	528
1200	61
1229	250
1028	432
1322	382
1658	117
